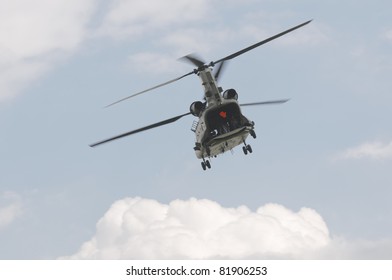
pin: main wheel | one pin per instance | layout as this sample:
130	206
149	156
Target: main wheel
203	165
253	133
208	164
245	150
249	148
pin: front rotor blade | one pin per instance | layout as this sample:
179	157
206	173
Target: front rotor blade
157	86
171	120
193	59
266	102
260	43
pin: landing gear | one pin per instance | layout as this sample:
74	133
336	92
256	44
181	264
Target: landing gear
205	164
247	148
253	134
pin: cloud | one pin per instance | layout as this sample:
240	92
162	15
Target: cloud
203	41
190	26
154	62
34	35
137	228
177	44
372	150
10	208
195	33
358	249
129	18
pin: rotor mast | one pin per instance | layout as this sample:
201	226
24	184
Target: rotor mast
211	89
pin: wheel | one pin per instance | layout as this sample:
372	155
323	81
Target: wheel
208	164
249	148
244	150
203	165
253	134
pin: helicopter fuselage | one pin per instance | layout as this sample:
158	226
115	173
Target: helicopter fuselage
221	125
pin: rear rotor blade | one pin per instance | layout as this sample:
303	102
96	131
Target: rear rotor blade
266	102
260	43
146	90
219	70
171	120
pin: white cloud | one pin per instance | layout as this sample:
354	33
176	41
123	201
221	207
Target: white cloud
190	26
136	228
33	34
178	43
189	40
10	208
372	150
153	62
127	18
357	249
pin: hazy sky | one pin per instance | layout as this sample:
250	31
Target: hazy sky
318	184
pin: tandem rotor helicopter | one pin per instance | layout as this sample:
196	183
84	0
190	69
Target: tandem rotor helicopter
221	125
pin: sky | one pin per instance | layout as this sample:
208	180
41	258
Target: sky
317	185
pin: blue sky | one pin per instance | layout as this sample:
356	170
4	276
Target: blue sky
329	149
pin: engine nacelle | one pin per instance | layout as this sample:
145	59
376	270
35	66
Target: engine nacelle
196	108
230	94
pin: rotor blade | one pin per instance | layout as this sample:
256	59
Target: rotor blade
157	86
260	43
219	70
171	120
193	59
266	102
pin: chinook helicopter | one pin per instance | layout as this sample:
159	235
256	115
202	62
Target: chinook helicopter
221	126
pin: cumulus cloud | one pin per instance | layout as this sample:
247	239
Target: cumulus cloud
371	150
10	208
33	34
136	228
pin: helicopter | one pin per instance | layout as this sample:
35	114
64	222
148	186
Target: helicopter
221	126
